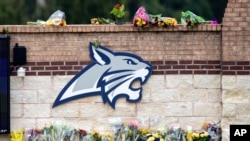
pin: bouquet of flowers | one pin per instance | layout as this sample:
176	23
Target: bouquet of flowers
141	18
158	20
82	134
199	136
154	19
167	22
190	19
56	19
213	129
97	21
17	135
118	11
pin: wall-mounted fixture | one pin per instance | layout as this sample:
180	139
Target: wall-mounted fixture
19	55
21	72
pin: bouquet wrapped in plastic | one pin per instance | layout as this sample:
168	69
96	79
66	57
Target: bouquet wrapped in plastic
56	19
190	19
141	18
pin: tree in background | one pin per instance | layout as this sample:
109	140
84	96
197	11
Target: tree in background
80	12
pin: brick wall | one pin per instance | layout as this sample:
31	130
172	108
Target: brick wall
64	50
187	68
235	64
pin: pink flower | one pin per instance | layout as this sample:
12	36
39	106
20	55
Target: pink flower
213	22
133	124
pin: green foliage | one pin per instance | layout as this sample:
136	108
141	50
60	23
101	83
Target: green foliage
80	12
118	11
190	19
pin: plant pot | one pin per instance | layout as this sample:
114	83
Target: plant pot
119	21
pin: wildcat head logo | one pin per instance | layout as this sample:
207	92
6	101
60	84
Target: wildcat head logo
111	75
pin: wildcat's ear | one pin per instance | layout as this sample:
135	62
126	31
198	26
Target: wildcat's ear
100	55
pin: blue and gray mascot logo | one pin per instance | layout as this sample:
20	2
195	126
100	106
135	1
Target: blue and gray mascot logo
110	74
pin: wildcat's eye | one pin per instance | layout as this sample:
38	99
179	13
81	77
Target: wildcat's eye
131	62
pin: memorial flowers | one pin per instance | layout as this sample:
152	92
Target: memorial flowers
167	22
122	132
56	19
189	19
82	134
141	18
118	12
17	135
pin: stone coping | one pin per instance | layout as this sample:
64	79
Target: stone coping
104	28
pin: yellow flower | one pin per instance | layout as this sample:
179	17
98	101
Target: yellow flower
156	135
195	135
151	139
17	135
140	22
206	134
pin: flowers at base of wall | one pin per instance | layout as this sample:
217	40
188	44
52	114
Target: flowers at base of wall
17	135
122	132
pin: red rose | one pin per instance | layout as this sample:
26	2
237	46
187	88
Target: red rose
117	6
83	132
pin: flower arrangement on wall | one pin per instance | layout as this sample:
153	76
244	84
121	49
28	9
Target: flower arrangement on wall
56	19
118	12
121	132
142	19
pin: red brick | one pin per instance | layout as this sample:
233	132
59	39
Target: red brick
65	68
171	72
228	72
43	63
171	62
186	72
58	73
246	67
72	63
179	67
44	73
164	67
200	72
77	67
207	67
243	63
228	63
51	68
193	67
200	62
29	73
242	72
236	68
213	72
213	62
37	68
185	62
158	72
57	63
72	72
